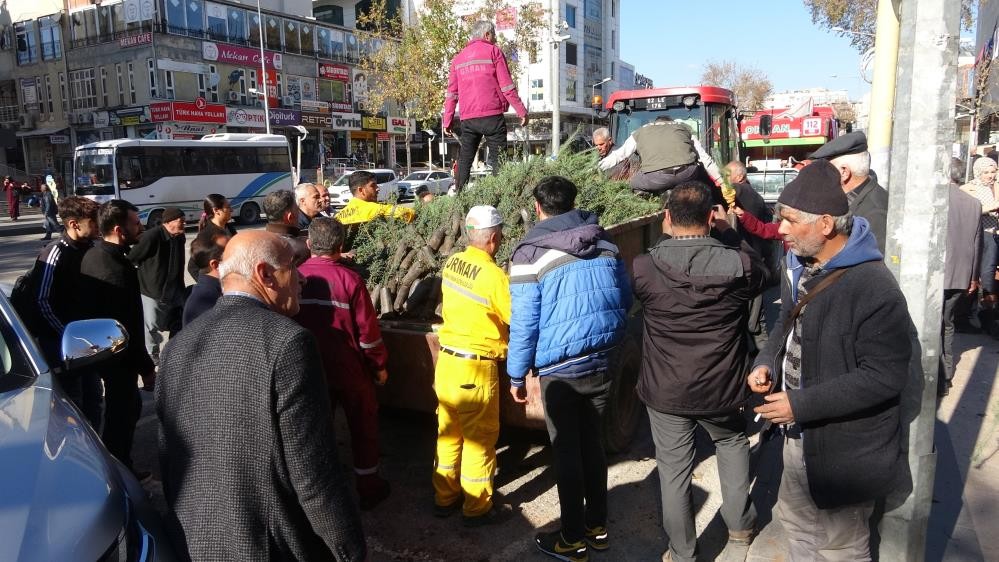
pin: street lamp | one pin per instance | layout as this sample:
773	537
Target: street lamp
593	97
263	68
555	40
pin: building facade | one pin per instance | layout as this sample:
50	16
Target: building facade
82	72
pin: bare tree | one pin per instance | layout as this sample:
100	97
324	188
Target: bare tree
860	18
751	85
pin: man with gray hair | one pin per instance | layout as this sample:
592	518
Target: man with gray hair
480	79
310	204
282	219
833	372
848	153
268	479
337	309
604	143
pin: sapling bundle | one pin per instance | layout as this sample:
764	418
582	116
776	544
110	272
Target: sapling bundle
403	261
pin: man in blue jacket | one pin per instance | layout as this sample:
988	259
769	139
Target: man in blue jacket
570	300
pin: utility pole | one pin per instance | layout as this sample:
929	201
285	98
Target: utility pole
883	89
556	62
917	229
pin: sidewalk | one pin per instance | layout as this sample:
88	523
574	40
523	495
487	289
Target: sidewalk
966	491
29	223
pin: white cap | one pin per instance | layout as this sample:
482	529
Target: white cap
482	216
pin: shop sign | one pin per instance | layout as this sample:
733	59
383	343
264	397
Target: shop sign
242	56
240	117
285	117
326	106
811	127
29	91
102	119
337	121
126	116
183	131
373	123
161	111
399	125
58	139
382	136
136	40
337	72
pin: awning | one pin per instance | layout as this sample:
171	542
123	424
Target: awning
41	132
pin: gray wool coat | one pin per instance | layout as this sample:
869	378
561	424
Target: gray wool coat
247	448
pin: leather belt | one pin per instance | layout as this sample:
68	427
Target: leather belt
464	355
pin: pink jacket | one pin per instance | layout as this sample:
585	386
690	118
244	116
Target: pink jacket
336	308
480	77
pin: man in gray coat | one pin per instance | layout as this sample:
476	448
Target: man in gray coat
247	447
866	198
964	251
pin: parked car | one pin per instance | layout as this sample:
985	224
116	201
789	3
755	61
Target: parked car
388	184
437	182
62	495
770	183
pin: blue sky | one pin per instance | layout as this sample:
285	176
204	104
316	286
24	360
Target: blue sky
671	44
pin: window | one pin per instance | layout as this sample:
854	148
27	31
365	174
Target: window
171	94
27	51
237	26
307	39
195	10
121	85
214	90
241	87
612	71
104	86
151	71
216	18
84	89
48	93
570	90
329	14
105	24
131	83
203	86
537	89
613	8
254	23
62	92
175	16
338	46
51	35
570	54
272	33
291	42
570	15
613	39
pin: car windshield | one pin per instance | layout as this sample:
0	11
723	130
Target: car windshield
770	184
344	180
416	176
94	172
627	123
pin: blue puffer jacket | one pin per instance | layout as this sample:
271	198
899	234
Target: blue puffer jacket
570	296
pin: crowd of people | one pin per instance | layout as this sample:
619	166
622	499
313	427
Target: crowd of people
279	330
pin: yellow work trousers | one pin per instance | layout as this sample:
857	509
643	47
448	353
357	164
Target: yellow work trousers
467	428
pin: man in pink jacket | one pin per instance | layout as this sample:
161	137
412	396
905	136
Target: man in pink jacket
336	308
480	79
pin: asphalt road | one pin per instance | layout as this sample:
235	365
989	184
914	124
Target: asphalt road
402	527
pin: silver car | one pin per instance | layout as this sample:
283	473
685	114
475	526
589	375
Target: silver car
62	495
436	182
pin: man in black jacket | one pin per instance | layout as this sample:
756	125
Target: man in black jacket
695	291
112	287
842	364
265	484
282	219
159	255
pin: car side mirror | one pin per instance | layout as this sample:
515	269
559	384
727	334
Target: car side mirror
86	342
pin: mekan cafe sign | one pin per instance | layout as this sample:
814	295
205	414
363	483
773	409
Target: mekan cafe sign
198	111
240	56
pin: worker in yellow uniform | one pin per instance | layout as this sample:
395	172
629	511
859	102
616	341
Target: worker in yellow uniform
473	341
364	205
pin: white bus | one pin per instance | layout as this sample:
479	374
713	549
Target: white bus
156	174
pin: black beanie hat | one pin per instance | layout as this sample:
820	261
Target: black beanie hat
171	214
816	190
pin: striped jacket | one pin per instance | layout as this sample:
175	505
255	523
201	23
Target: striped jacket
480	79
570	298
336	307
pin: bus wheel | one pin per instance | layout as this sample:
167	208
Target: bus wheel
155	219
623	411
249	213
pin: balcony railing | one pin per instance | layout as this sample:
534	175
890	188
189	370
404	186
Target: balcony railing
9	113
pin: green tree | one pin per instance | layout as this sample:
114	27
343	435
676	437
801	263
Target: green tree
860	17
409	69
750	85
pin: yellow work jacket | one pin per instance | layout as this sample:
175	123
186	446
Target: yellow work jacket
476	305
359	210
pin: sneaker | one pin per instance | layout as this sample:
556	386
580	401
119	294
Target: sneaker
555	546
443	511
744	538
596	538
498	513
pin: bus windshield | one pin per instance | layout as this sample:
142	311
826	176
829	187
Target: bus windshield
94	172
629	122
